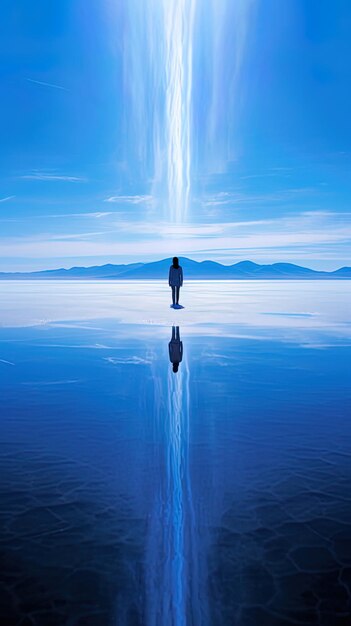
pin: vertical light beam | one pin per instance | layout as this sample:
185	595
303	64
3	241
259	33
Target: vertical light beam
178	18
183	74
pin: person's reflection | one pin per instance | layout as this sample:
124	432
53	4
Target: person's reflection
175	348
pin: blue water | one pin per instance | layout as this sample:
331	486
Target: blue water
216	495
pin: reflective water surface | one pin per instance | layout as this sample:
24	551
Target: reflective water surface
175	468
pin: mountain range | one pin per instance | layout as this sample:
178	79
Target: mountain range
204	270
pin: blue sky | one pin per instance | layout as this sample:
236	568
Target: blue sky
84	153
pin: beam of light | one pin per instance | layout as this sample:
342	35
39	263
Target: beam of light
183	62
178	28
222	33
173	548
158	60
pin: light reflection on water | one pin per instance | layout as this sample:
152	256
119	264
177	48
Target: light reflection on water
172	558
217	494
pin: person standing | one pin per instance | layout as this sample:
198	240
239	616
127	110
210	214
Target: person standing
175	280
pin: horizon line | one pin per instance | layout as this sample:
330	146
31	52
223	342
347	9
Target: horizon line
143	263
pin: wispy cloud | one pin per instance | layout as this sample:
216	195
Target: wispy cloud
321	233
282	169
169	230
97	214
40	82
59	237
223	197
129	199
240	198
7	198
93	215
50	176
272	173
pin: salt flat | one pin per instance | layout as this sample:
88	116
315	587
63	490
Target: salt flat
226	483
225	307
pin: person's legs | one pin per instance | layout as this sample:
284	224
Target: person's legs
177	290
173	295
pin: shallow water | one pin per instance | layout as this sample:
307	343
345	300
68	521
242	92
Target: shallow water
215	495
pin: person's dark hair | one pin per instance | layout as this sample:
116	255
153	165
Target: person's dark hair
175	262
175	367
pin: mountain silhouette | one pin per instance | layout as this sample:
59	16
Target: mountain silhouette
204	270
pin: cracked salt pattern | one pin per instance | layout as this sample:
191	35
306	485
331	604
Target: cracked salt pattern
84	434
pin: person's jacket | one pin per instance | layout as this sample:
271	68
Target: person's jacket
175	348
175	278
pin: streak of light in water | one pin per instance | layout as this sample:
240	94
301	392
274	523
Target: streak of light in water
174	586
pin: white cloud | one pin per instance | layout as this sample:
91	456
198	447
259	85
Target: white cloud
166	229
50	176
282	169
40	82
129	199
95	214
301	236
59	216
270	173
241	198
7	198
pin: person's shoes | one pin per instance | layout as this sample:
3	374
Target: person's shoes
172	306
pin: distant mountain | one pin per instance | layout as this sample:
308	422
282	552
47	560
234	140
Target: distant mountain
205	270
343	272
